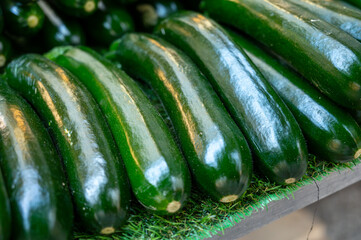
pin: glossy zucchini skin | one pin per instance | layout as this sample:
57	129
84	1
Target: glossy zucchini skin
337	13
5	51
22	19
331	133
269	127
33	173
97	180
77	8
151	12
58	30
322	53
215	148
108	24
5	214
157	171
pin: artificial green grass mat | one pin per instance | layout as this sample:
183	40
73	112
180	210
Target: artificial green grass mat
202	217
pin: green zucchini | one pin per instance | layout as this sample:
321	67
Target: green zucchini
77	8
5	51
5	214
151	12
356	3
269	127
331	133
108	24
215	148
97	180
39	195
322	53
157	171
335	12
58	30
22	19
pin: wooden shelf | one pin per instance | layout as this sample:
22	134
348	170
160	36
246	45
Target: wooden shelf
301	198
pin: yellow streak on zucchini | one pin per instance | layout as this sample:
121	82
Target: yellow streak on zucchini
174	206
228	199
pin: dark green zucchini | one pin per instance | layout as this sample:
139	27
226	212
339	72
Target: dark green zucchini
157	171
270	128
77	8
5	51
38	191
335	12
1	20
108	24
356	3
151	12
97	180
58	30
322	53
215	148
22	19
331	133
5	214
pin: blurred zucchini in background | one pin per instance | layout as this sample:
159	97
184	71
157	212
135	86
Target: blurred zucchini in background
22	19
5	213
325	55
40	201
76	8
335	12
108	23
5	51
59	30
330	132
148	13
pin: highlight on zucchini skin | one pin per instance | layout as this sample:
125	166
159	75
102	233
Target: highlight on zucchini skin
97	179
325	55
216	150
273	134
335	12
331	133
41	205
158	173
22	19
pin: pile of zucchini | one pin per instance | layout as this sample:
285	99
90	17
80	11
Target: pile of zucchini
80	139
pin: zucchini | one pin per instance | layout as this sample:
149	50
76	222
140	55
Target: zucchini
356	3
1	20
76	8
108	24
5	51
335	12
58	30
22	19
322	53
39	196
5	214
269	127
215	148
157	171
151	12
97	180
331	133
